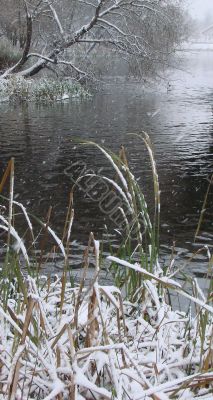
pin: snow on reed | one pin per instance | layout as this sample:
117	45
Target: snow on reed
117	350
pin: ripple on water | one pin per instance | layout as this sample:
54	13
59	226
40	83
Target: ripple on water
180	124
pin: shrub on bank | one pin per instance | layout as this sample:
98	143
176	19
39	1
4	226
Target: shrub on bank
19	89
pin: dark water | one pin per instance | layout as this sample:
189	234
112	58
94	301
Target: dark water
180	124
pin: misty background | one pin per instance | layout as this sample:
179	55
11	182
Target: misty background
202	12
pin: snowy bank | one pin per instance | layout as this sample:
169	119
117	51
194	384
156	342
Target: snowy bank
19	89
85	343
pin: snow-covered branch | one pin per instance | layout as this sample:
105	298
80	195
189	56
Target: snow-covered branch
139	30
56	18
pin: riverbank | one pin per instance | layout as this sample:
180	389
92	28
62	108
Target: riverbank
197	46
18	89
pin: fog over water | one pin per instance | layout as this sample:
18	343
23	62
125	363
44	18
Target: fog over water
200	8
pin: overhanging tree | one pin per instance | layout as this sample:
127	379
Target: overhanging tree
70	32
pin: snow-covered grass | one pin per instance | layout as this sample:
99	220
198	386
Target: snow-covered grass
19	89
61	340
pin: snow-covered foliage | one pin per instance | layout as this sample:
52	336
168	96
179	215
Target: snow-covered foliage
61	341
82	343
18	88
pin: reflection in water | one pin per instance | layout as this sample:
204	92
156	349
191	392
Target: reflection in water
179	121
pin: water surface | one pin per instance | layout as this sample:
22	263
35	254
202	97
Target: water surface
178	117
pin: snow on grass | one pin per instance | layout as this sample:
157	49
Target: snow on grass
60	342
19	89
117	350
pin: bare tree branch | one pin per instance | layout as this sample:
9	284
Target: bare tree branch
139	30
55	15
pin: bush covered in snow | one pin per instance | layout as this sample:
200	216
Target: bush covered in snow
19	89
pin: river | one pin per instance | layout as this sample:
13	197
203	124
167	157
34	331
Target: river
178	116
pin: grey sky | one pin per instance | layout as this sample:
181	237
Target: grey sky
200	8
